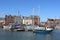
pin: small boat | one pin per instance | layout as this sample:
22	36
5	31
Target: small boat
29	27
17	27
42	29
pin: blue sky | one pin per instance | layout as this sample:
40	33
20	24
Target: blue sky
48	8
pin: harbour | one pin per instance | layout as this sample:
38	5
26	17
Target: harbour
24	35
29	20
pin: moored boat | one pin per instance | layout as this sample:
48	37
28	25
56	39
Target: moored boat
17	27
42	29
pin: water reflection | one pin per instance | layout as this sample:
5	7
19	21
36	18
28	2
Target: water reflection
48	37
8	35
38	36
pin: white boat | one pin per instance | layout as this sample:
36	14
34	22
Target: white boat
29	27
42	29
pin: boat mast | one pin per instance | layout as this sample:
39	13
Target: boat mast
19	15
38	15
32	14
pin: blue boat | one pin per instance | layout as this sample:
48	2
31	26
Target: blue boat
42	29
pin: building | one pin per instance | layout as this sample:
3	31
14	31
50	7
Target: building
35	19
31	20
9	19
57	23
17	19
26	20
50	23
2	22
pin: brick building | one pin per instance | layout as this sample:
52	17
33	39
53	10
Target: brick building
57	23
9	19
50	23
35	19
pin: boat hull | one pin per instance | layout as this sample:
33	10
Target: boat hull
42	31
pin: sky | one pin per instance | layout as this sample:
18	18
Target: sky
44	8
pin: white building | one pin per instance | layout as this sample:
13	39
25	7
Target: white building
26	20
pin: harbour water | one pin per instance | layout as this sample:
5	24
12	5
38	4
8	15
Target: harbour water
9	35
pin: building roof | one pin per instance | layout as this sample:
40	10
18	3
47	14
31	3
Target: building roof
51	19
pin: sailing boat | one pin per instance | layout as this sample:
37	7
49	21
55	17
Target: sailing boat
42	28
17	26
